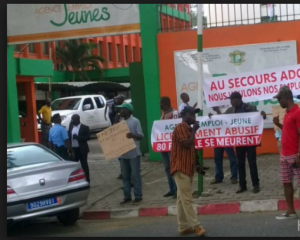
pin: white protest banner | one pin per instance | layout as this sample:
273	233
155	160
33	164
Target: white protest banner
114	142
253	86
28	23
223	61
225	130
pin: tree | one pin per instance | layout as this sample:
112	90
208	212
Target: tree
78	56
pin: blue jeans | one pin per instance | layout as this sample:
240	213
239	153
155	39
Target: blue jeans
219	175
131	172
166	156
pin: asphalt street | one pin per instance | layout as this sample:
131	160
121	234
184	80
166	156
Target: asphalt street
262	224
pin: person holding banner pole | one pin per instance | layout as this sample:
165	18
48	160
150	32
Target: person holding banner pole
290	148
168	113
218	157
238	106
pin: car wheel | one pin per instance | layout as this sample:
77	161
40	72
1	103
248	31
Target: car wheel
69	217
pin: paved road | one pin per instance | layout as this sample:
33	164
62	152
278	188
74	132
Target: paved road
239	225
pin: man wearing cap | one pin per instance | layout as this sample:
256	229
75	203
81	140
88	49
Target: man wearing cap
290	148
131	161
59	140
238	106
183	165
45	121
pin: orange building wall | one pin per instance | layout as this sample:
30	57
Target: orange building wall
221	37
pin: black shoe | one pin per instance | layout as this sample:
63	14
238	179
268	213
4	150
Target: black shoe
126	200
120	177
256	189
132	185
137	201
169	194
241	190
205	168
216	181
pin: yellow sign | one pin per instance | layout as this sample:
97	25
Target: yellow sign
114	142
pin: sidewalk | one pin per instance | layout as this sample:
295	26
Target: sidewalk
106	190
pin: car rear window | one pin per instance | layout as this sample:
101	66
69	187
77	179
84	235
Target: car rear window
28	155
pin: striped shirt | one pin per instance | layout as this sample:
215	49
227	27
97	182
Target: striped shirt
182	159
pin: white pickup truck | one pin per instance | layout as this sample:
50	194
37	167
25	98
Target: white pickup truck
90	108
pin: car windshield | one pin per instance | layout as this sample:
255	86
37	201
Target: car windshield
28	155
66	104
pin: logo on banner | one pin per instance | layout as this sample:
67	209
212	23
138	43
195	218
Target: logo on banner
237	57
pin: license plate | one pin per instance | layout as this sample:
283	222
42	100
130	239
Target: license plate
43	203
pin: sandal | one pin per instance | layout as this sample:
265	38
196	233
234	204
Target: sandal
287	216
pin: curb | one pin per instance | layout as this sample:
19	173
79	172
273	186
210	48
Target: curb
217	208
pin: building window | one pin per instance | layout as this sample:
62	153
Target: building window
17	48
100	48
186	10
109	52
45	46
175	6
118	48
31	48
126	54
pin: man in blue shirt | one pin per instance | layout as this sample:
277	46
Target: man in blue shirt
59	139
131	161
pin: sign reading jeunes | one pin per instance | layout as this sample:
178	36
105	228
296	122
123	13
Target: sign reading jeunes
28	23
226	130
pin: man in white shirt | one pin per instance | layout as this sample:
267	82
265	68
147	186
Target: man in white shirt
185	102
79	134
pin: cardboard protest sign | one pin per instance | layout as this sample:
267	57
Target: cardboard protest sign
114	142
228	130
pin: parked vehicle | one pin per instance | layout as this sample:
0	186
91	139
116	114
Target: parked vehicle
40	183
90	108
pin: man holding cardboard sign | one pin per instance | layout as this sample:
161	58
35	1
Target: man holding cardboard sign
131	161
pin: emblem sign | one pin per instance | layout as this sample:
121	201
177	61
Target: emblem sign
237	57
42	182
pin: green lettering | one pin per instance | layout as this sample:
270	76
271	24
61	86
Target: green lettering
87	14
65	20
255	103
104	10
83	16
71	18
270	101
95	15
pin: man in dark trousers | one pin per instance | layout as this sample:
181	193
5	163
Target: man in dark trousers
238	106
59	140
79	134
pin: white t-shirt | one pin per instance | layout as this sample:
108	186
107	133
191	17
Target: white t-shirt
182	106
